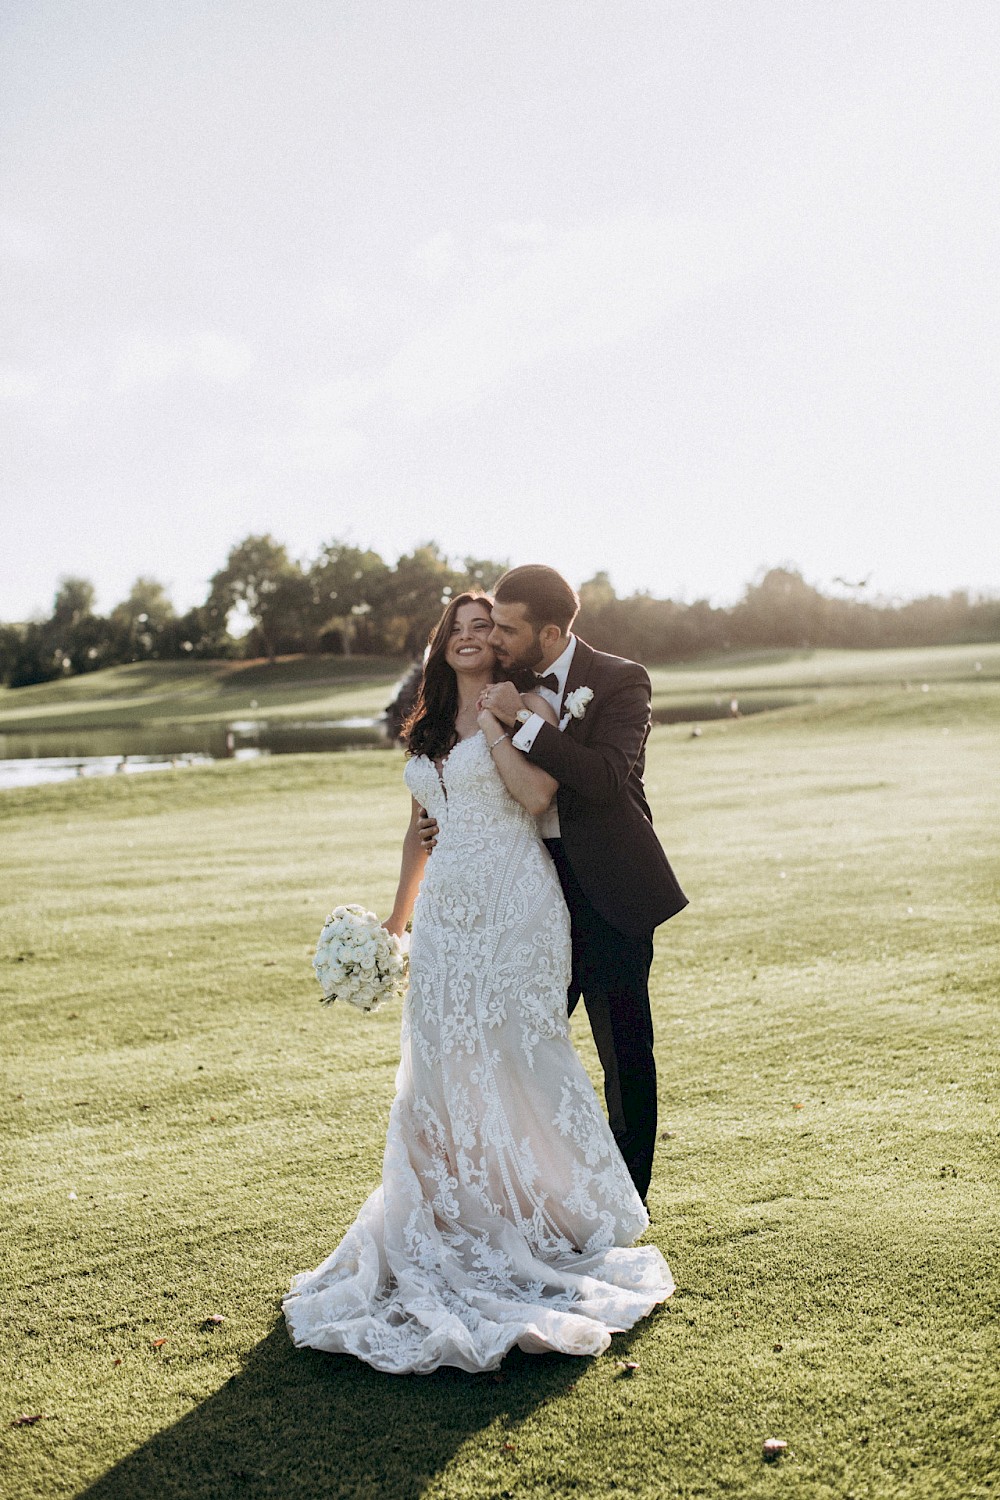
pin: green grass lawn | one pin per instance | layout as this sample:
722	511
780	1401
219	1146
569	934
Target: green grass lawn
185	1127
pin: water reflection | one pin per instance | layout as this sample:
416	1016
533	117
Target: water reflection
41	769
38	756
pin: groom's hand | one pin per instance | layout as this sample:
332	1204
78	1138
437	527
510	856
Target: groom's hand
428	830
503	701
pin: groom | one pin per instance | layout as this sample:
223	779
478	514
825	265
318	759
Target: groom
614	874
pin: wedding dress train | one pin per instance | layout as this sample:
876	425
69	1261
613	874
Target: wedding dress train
506	1214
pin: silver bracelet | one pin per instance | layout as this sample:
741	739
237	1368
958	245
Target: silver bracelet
496	742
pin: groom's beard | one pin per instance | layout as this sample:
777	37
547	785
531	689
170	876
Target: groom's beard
528	659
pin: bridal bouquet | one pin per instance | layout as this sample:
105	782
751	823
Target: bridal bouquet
358	961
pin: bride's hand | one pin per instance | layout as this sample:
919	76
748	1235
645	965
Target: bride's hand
504	701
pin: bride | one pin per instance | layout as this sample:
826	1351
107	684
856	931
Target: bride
506	1214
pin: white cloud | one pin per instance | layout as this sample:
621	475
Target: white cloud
435	259
17	385
149	359
24	241
582	289
577	289
339	302
325	447
521	236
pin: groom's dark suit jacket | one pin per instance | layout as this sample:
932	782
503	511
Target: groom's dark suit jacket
604	819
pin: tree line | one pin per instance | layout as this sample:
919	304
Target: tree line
349	601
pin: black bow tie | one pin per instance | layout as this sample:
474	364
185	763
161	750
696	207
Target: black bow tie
550	681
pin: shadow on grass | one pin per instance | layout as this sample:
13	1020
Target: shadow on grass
299	1424
310	671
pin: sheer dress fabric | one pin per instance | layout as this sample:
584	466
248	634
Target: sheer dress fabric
505	1214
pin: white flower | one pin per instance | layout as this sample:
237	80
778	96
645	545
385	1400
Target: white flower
575	704
357	960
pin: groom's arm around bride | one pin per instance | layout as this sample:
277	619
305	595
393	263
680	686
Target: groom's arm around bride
616	879
605	824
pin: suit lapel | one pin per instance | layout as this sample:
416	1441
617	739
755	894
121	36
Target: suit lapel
578	676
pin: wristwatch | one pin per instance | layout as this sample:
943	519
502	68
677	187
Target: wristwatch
523	715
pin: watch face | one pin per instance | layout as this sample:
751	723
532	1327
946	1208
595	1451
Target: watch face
523	715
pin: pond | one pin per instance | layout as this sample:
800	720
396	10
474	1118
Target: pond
47	755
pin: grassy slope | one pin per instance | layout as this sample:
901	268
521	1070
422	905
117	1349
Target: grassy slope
776	679
826	1014
203	692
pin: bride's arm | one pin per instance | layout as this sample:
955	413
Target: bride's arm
540	706
527	784
411	872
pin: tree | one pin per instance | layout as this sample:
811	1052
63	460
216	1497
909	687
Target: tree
482	572
200	633
598	617
597	592
141	621
74	601
781	609
261	579
347	585
35	660
80	640
416	591
11	644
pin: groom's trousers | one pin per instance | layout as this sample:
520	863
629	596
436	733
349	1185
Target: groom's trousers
611	972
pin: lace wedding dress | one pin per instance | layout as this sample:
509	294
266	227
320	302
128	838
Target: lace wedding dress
506	1212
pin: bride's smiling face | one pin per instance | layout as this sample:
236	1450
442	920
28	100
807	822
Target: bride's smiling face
468	649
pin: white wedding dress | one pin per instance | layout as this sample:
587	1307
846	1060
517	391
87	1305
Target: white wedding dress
506	1213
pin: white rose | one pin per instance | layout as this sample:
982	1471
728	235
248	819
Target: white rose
576	702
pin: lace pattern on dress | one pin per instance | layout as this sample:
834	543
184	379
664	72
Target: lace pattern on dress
506	1214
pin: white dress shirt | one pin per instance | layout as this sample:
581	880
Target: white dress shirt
548	823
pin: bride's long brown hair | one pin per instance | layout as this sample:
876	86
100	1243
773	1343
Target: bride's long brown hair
429	728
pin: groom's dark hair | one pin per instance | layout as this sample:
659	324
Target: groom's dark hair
545	594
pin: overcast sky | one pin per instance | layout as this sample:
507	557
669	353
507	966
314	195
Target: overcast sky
677	290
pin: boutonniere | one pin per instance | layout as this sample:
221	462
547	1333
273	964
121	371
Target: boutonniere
575	704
